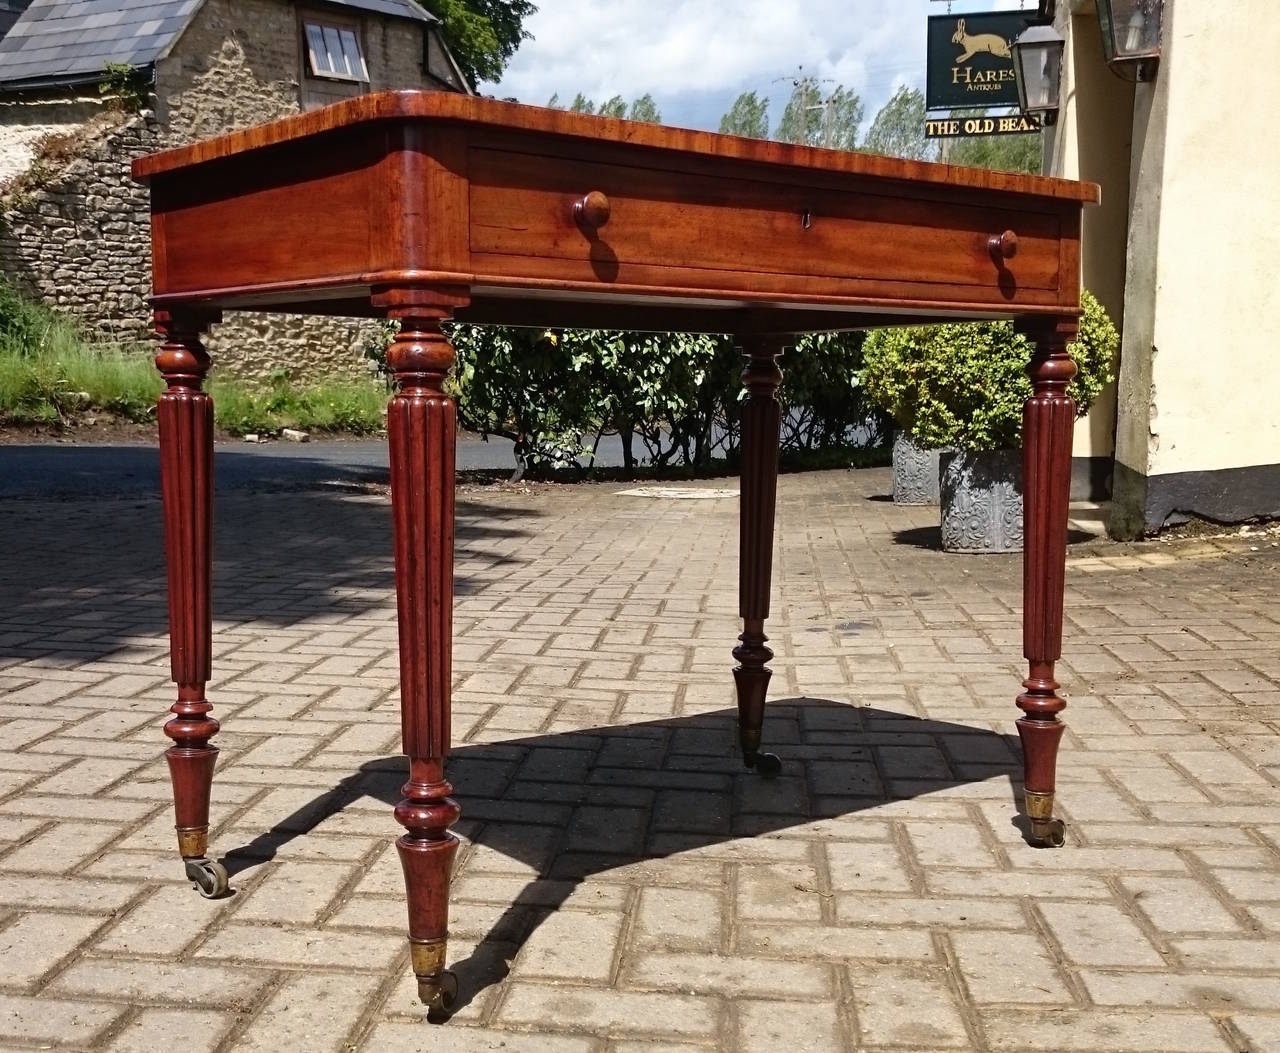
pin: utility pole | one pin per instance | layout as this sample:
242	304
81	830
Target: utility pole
827	105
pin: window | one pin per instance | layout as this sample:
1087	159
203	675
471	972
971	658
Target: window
333	51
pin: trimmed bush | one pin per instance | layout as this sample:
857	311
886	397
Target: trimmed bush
964	385
674	398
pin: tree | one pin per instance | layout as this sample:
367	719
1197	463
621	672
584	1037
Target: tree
898	130
813	119
1001	153
615	107
748	116
642	109
482	34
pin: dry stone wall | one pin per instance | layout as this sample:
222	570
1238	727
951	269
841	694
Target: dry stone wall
80	238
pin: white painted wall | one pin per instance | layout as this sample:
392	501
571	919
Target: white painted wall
1092	141
1215	369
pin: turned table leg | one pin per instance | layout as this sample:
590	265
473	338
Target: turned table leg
420	428
1048	420
761	427
185	415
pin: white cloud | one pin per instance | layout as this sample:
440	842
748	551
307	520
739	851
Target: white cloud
695	56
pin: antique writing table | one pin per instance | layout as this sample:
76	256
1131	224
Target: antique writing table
422	207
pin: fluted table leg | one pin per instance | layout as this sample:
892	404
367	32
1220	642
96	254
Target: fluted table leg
185	415
420	428
1048	420
761	427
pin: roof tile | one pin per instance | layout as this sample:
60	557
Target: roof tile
66	40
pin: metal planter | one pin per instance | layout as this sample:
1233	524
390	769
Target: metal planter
915	472
981	498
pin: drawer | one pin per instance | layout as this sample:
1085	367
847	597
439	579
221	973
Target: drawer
522	205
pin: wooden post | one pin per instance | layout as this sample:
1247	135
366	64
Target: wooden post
1047	423
421	432
761	427
185	414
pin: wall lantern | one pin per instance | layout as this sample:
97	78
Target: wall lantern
1037	65
1131	35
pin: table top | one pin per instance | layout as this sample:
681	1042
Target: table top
528	215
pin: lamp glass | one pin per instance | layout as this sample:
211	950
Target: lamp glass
1038	61
1130	28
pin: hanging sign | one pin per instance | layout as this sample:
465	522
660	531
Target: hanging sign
970	62
1005	124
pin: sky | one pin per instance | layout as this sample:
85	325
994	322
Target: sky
696	56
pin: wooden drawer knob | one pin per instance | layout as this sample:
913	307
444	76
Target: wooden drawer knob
1005	246
593	210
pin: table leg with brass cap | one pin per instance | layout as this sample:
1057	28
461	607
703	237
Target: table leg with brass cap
185	417
1047	423
421	432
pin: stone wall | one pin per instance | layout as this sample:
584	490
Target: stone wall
80	241
81	238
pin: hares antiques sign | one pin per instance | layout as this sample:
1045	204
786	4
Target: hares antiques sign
971	60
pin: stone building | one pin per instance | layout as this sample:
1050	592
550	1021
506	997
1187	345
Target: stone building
1182	252
87	86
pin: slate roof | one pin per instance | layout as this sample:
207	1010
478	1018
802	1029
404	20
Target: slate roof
394	8
70	41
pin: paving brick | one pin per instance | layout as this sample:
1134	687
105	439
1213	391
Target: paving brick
780	892
767	1026
1250	885
621	1013
300	948
50	1020
834	943
90	897
153	981
1202	990
717	974
899	1006
857	908
311	1012
578	946
1262	1031
61	848
413	1038
165	923
190	1030
950	845
1008	967
294	892
1099	934
867	868
1180	905
1230	954
33	943
678	919
1064	1030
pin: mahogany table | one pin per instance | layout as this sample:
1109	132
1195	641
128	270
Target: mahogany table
422	207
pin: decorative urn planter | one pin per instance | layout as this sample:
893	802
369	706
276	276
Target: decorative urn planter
915	472
981	498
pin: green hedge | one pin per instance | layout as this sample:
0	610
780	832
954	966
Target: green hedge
556	393
964	385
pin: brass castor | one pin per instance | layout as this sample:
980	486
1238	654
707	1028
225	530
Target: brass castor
1048	833
439	994
766	765
208	876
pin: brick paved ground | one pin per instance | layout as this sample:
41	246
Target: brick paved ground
625	888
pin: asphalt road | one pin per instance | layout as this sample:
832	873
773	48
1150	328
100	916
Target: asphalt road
62	470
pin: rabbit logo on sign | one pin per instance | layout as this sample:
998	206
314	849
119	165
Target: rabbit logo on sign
991	43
